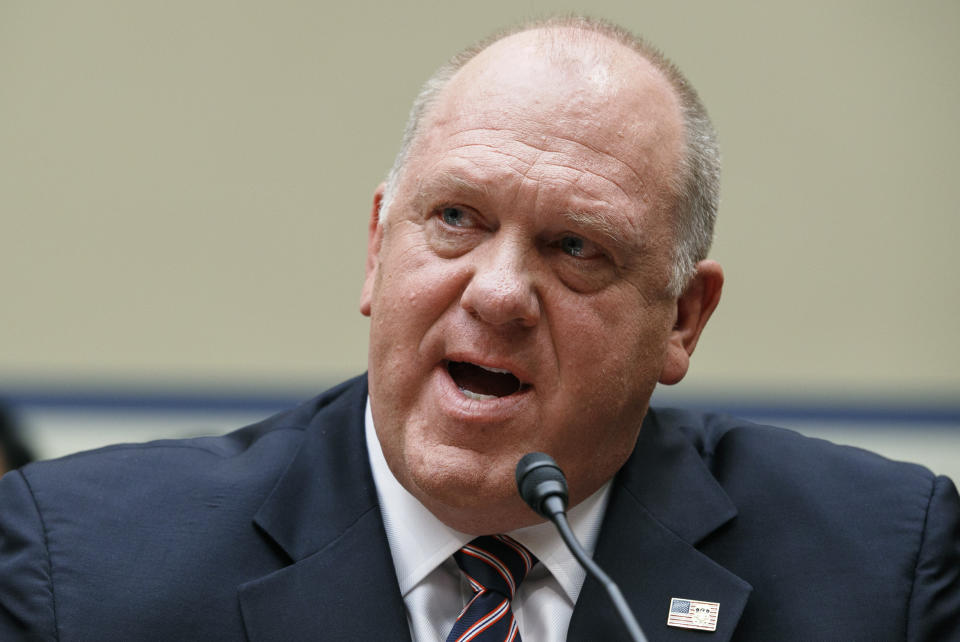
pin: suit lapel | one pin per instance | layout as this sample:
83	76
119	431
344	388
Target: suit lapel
323	514
664	501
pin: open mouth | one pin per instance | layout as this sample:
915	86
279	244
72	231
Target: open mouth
480	383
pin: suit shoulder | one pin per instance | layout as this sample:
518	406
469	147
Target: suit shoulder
765	469
251	457
725	441
170	458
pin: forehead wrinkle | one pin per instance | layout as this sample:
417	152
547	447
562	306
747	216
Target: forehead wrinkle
548	154
525	138
585	170
634	173
465	175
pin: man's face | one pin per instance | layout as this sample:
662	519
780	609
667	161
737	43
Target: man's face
518	286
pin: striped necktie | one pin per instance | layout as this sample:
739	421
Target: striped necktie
494	565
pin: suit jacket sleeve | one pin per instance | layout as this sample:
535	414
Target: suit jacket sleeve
27	610
934	610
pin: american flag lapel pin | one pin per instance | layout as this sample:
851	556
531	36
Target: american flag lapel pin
693	614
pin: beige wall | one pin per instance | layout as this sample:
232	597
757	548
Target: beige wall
185	185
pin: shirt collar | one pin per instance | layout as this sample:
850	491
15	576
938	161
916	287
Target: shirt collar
419	542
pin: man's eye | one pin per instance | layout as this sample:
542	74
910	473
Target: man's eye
572	245
579	247
454	216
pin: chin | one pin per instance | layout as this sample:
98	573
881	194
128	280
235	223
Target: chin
466	490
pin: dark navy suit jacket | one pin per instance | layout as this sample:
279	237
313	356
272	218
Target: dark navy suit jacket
273	532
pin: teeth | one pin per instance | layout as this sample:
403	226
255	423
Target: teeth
497	370
470	394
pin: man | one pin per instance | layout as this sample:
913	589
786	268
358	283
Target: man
536	265
13	452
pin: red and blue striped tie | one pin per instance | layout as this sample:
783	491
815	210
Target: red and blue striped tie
494	565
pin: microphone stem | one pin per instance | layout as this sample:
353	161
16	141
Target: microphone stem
560	519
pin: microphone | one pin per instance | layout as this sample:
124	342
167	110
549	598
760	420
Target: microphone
543	486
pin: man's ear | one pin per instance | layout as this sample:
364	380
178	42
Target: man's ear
694	307
374	237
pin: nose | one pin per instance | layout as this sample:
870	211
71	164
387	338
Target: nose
501	290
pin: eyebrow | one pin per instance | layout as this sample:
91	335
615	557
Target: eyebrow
600	224
448	184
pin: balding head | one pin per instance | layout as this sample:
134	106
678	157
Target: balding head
581	43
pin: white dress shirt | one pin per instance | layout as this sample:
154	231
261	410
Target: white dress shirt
432	586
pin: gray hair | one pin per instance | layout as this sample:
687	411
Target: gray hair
695	187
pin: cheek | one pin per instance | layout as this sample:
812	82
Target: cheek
410	280
414	289
614	329
610	356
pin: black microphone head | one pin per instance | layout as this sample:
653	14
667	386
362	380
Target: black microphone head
538	478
